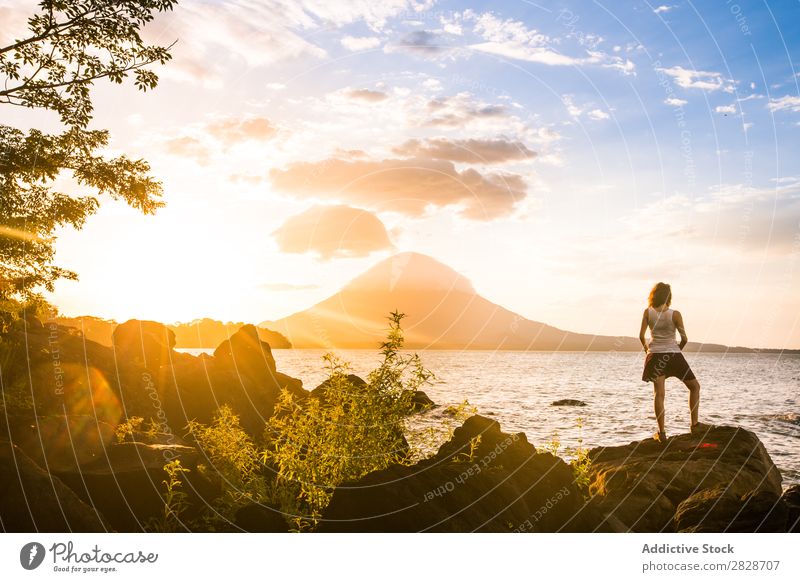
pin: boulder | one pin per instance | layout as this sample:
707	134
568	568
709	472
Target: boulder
147	343
319	391
194	389
53	370
420	401
717	510
568	402
644	483
245	351
259	518
127	486
60	443
791	497
482	479
32	500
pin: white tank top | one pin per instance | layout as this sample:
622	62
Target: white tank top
662	332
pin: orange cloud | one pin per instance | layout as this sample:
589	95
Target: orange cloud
471	151
408	186
188	147
233	130
201	140
367	95
333	232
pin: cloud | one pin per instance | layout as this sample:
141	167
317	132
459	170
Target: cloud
407	186
532	54
422	43
598	114
576	111
470	151
692	79
366	95
735	218
725	109
662	9
360	43
675	102
289	286
211	32
333	232
232	130
514	40
787	102
460	110
188	147
200	140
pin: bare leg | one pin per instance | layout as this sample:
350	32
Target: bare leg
659	391
694	399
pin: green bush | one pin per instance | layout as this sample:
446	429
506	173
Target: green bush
233	462
352	430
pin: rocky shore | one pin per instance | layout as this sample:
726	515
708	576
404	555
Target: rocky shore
64	467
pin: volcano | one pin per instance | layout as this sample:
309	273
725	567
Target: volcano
443	311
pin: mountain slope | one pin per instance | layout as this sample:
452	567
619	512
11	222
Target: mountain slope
442	311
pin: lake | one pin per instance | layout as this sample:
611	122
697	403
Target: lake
757	391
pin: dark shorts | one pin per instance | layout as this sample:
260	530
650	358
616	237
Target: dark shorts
670	365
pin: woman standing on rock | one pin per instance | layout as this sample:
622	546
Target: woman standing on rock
664	357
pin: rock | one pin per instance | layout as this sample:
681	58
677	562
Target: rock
791	497
319	391
196	388
127	486
32	500
147	343
420	401
643	483
258	518
716	510
247	352
53	370
481	480
568	402
60	443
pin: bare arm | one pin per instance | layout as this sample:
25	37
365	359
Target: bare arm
642	330
677	319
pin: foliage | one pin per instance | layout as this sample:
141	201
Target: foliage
175	501
581	464
69	46
353	430
234	460
553	445
126	429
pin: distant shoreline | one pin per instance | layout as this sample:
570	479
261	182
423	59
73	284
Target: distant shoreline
745	351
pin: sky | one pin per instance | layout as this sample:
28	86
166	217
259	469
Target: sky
564	156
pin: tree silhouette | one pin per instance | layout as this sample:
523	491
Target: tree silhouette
68	46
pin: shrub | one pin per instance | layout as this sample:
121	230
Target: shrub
353	430
233	461
175	502
127	429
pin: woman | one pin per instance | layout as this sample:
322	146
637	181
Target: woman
664	357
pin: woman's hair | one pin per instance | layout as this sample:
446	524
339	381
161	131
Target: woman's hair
660	294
